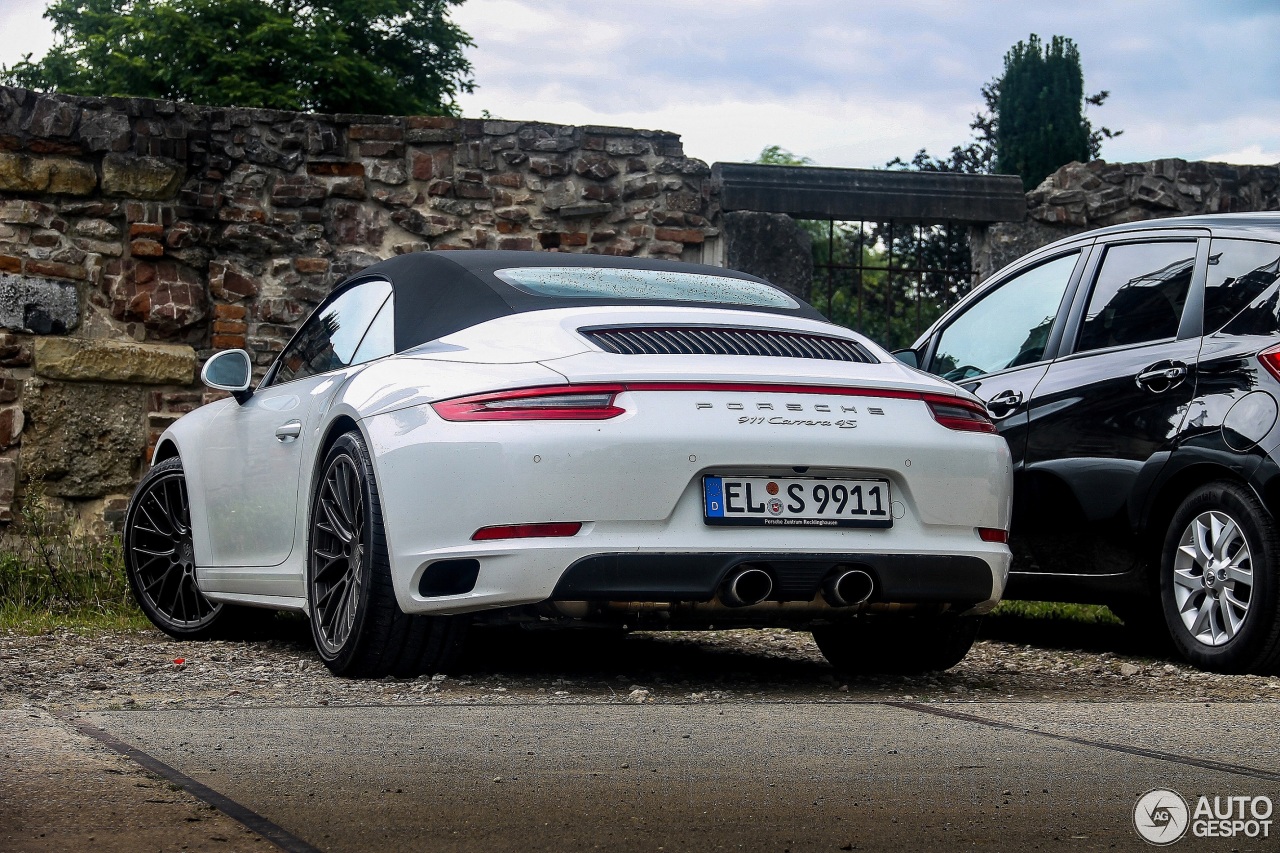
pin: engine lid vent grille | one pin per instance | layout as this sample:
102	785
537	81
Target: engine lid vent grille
725	340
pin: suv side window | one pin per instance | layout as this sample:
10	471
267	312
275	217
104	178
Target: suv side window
1240	273
328	340
1138	295
1008	327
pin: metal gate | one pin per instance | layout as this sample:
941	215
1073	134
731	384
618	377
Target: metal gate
889	280
891	248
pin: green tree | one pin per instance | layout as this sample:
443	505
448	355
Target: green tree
1004	115
776	155
363	56
1053	131
1040	122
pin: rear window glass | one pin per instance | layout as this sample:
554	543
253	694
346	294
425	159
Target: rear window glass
650	285
1139	294
1241	271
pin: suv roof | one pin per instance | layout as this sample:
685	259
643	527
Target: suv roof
1255	225
1219	223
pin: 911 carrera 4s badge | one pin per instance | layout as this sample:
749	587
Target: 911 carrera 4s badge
840	423
799	502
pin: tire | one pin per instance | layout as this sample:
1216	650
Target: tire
358	627
159	559
898	645
1218	583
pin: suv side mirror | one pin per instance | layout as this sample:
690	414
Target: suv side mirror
229	370
909	357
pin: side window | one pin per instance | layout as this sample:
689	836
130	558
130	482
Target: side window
1240	273
379	341
328	340
1008	327
1138	295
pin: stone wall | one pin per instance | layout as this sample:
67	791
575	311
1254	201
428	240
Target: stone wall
772	246
1082	196
137	237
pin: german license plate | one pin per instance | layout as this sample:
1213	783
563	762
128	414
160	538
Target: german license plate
796	502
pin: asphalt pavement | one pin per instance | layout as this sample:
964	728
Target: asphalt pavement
779	776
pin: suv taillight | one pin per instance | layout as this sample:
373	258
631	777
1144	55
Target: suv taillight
1270	359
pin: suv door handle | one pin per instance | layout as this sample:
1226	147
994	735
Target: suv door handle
1162	376
1005	402
289	431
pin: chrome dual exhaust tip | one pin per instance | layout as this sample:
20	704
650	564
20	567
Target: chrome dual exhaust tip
746	586
848	588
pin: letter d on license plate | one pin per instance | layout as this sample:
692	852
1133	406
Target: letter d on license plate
796	502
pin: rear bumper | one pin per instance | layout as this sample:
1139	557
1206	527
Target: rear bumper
634	483
969	578
964	581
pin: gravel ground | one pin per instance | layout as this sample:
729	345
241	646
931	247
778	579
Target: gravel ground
1015	662
61	790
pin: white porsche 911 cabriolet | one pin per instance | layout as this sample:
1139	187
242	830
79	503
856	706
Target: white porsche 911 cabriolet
543	439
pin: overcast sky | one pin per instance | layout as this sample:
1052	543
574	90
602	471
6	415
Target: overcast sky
855	83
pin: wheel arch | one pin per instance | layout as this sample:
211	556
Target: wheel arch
165	449
340	425
1170	494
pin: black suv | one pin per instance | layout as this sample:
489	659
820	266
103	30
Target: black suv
1135	371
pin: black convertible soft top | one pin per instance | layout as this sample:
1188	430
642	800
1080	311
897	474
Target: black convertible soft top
438	293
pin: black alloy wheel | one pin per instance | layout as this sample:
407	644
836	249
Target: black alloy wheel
159	556
1218	580
356	622
339	565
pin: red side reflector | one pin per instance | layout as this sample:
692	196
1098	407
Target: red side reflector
993	534
528	531
1270	358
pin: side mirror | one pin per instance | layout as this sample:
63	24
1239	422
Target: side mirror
909	357
229	370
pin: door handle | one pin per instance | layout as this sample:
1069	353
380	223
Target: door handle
289	431
1003	404
1162	376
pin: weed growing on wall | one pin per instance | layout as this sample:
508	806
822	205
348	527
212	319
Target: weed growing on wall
52	574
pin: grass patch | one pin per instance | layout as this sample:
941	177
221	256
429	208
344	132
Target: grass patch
52	576
1089	614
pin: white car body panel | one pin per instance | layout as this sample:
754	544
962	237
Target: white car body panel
660	450
633	481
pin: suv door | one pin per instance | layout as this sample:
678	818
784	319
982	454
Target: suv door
1106	413
254	458
997	348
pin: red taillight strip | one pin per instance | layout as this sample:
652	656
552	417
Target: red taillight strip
528	531
965	415
959	414
521	404
993	534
